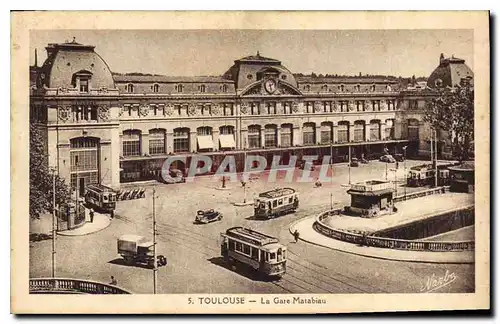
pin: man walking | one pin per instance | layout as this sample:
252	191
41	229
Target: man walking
91	215
296	236
113	281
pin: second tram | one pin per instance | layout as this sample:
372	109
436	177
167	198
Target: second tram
259	251
100	197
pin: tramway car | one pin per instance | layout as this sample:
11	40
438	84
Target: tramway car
259	251
424	175
100	197
275	203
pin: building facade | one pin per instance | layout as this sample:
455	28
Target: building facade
111	128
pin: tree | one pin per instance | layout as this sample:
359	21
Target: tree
452	111
41	186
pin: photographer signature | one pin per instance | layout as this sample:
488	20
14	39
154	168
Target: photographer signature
435	282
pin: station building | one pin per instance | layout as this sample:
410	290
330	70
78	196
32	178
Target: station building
111	128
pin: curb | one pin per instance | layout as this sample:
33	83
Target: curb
62	233
382	257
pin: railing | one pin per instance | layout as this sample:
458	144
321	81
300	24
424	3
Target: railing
388	243
429	192
63	285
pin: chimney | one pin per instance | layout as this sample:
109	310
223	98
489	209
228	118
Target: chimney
36	58
441	58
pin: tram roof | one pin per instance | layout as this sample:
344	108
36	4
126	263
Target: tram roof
251	236
99	187
276	193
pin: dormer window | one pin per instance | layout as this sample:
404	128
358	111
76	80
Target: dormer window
156	88
81	80
324	88
342	88
202	88
307	87
372	88
358	88
130	88
224	88
179	88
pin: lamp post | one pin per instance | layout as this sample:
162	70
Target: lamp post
404	166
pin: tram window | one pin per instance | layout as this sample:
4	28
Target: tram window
255	253
284	254
238	246
290	200
275	203
280	202
232	245
262	256
273	256
246	249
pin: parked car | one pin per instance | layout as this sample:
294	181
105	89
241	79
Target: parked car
399	157
207	216
174	176
387	158
354	162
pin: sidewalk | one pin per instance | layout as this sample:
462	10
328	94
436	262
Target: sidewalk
307	233
101	221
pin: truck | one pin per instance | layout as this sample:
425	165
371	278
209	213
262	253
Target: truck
136	249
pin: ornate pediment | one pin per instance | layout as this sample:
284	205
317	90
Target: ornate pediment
282	88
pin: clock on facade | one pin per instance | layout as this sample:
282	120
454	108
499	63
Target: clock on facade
270	86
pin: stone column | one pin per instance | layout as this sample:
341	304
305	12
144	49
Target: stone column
398	125
144	143
170	142
192	142
367	132
382	131
335	137
262	136
215	138
351	132
244	139
297	135
278	135
317	135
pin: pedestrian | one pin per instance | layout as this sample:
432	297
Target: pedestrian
397	165
112	214
113	281
91	215
296	236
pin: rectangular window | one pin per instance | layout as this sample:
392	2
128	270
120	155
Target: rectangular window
275	203
343	133
375	132
157	144
286	136
84	85
326	136
308	135
131	144
270	138
181	141
359	134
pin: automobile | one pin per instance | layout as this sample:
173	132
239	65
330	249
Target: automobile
207	216
136	249
174	176
399	157
387	158
354	162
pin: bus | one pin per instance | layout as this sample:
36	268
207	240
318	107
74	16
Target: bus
275	203
100	197
261	252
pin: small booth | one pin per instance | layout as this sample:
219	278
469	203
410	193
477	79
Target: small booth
371	198
462	177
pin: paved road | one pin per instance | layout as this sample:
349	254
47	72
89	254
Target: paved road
193	250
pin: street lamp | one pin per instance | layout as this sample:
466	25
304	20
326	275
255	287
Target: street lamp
404	166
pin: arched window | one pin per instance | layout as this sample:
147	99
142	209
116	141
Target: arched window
326	132
343	132
131	142
181	140
270	136
156	88
254	136
204	138
226	130
359	131
130	88
84	162
413	130
375	130
156	141
358	88
286	134
81	80
309	134
341	88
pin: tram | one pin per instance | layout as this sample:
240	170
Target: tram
100	197
275	203
424	175
259	251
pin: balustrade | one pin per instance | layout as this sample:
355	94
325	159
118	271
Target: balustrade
71	285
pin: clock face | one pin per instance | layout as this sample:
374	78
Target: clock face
270	86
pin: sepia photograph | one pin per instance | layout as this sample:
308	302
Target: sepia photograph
254	166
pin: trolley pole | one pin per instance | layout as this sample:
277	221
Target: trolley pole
404	166
155	267
436	159
331	168
349	146
53	223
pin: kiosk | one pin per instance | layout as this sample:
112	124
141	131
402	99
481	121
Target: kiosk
371	198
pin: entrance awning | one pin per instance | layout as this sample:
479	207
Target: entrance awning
227	141
205	142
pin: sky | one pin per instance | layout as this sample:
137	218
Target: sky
212	52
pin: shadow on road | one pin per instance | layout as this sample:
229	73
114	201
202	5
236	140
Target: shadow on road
255	218
36	237
121	262
241	269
